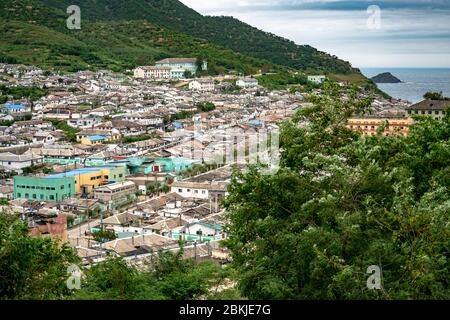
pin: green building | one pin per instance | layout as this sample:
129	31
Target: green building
43	189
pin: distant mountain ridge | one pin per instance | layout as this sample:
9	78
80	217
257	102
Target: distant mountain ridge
227	42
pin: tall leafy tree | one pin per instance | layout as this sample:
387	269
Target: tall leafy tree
31	268
340	203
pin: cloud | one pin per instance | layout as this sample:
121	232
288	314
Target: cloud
412	33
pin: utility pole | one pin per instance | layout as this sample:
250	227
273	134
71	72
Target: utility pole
195	250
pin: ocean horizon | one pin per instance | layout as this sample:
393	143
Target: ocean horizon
415	82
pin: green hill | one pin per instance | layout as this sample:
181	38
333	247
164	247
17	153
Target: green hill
120	34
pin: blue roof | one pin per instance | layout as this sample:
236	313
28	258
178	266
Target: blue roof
96	138
74	173
15	106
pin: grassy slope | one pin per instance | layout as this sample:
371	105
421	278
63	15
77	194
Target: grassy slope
223	31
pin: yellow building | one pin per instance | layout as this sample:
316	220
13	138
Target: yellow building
94	140
370	124
87	179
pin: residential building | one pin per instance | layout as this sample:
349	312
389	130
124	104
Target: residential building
431	108
369	125
13	162
15	108
202	84
43	188
114	191
188	64
152	72
319	79
58	187
94	140
247	83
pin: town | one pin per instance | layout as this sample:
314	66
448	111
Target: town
130	164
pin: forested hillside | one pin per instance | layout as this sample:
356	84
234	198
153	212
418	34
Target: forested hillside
159	29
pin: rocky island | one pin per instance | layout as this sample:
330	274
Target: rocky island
386	77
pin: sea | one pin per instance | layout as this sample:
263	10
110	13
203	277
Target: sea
416	82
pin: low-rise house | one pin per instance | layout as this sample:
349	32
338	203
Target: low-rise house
7	192
317	79
247	83
197	190
47	137
112	135
202	85
13	162
38	124
431	108
199	231
141	244
15	108
117	194
84	122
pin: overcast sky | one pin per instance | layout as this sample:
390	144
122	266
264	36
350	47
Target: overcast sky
410	33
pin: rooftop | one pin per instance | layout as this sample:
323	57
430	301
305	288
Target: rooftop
430	105
177	60
75	172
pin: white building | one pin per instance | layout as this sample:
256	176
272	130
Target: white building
202	85
155	73
247	83
317	79
13	162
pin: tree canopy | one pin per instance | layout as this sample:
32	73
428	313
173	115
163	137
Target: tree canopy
340	203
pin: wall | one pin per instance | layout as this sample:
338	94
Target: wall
44	189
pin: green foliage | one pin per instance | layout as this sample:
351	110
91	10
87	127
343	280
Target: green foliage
33	169
198	169
119	35
281	80
239	36
32	93
69	132
435	96
31	268
169	277
205	106
136	138
341	203
4	202
104	235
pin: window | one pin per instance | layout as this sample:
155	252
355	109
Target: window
51	197
41	196
195	191
62	187
34	196
180	190
18	195
203	191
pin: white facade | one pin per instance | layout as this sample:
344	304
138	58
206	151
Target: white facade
156	73
13	162
317	79
247	83
202	85
197	192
